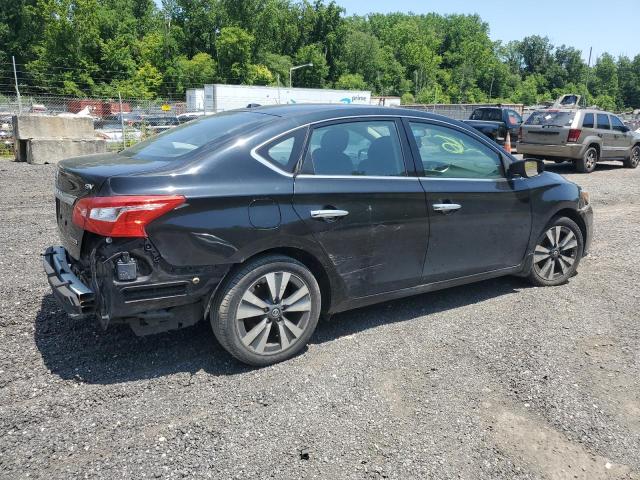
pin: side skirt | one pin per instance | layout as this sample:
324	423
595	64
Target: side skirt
350	304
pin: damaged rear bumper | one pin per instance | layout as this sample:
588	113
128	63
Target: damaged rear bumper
77	299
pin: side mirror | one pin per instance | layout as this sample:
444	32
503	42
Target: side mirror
625	129
526	168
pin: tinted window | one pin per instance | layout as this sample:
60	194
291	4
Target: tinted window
551	118
357	148
448	153
179	141
283	152
514	117
487	114
617	124
588	121
603	121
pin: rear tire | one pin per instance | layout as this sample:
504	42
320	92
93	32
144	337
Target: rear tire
557	253
634	158
266	311
589	160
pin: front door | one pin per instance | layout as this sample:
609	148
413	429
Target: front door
365	207
603	128
479	220
623	139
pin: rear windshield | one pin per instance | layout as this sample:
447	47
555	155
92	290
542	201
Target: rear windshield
551	118
180	141
488	114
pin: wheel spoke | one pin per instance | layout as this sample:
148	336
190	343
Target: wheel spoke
252	299
557	231
541	253
550	237
284	281
273	289
547	270
247	310
563	267
297	295
292	327
567	239
254	332
568	260
284	339
302	305
263	339
569	245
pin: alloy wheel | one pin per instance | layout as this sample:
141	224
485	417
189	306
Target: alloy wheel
635	157
556	253
273	312
591	158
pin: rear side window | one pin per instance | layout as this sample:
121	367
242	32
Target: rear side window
603	121
551	118
588	121
487	114
370	148
284	151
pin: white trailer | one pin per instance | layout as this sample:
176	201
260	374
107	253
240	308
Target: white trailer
219	98
195	99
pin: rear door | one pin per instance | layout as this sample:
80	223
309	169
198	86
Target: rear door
364	204
548	127
603	130
479	221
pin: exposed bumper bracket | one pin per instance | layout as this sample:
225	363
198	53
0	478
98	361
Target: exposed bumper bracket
76	298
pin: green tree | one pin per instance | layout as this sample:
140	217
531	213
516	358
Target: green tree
351	81
314	76
234	53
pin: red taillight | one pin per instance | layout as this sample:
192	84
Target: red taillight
122	216
574	135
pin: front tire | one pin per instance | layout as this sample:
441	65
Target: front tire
557	253
267	310
634	158
589	160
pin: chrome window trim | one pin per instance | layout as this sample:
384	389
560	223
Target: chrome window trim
354	177
267	163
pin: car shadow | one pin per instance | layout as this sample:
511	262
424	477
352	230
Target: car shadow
567	167
81	350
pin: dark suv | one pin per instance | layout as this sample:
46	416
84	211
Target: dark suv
261	219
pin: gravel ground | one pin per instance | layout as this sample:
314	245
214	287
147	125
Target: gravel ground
493	380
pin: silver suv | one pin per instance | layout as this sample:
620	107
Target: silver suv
582	136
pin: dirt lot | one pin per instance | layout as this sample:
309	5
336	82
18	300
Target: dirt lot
494	380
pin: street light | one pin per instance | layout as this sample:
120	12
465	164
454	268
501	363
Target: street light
296	68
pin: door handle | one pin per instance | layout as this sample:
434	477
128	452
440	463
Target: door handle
446	207
329	214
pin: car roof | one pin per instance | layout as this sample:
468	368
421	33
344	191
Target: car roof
316	112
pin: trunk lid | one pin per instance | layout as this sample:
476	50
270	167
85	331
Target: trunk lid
80	177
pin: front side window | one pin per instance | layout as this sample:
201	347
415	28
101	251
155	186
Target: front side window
588	121
617	124
514	118
370	148
603	121
449	153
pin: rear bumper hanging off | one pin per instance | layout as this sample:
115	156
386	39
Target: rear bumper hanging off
72	294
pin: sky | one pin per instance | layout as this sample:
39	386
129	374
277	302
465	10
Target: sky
607	26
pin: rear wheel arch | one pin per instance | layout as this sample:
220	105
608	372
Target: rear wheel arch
319	270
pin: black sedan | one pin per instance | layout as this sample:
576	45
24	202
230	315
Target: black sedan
259	220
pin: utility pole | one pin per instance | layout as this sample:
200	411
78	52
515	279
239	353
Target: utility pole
124	140
278	80
15	77
586	85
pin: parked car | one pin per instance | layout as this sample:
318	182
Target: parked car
112	132
152	125
581	136
259	220
495	122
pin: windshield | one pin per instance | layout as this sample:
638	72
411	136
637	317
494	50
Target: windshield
550	118
179	141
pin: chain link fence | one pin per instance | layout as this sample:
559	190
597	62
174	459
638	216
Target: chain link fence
120	122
